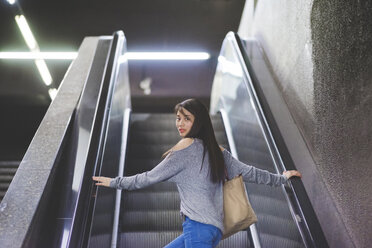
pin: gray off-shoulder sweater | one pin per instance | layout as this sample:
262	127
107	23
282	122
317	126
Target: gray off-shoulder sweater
201	200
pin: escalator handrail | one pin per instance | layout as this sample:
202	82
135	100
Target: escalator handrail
99	130
124	142
295	192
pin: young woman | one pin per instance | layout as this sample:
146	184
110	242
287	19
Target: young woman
197	165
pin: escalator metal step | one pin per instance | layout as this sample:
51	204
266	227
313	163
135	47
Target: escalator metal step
270	206
147	201
4	186
154	136
165	220
256	157
238	240
168	137
139	165
272	226
147	239
265	191
160	239
6	178
153	121
7	171
147	151
270	240
155	125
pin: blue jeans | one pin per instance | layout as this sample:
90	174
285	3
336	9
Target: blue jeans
197	235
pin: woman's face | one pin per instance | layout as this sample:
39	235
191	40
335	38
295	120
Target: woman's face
184	122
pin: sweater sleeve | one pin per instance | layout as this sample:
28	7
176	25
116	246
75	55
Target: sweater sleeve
250	173
164	171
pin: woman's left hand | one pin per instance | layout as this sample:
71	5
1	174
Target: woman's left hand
292	173
103	181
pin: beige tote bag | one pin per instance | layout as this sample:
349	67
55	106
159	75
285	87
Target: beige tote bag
239	214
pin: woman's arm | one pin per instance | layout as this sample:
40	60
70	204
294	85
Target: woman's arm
254	175
165	170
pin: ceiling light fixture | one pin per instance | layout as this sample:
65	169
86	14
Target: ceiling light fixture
11	2
26	32
52	93
33	46
44	72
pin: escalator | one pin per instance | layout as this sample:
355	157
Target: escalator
7	172
150	217
105	138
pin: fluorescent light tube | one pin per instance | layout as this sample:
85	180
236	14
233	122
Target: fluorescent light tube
165	56
26	32
52	93
39	55
44	72
32	44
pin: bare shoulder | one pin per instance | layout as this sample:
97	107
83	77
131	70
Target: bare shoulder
183	143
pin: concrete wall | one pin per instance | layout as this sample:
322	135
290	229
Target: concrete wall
321	55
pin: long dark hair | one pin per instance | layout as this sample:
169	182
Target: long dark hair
202	128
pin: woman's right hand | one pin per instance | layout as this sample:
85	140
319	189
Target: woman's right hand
292	173
103	181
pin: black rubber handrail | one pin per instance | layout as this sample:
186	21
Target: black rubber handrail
82	225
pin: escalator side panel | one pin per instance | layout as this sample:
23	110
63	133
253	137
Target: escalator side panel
232	94
63	191
102	224
20	207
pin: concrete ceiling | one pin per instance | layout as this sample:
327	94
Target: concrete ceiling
156	25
